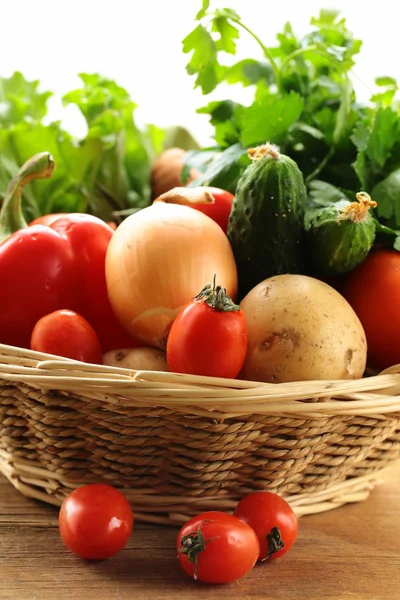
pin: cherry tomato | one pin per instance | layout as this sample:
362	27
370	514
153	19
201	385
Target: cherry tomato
273	520
208	336
95	521
220	209
66	333
373	290
215	547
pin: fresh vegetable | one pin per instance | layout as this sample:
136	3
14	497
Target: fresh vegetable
211	201
36	265
300	328
104	171
95	521
166	172
340	236
89	238
273	520
387	195
220	209
373	290
216	547
137	359
208	337
266	225
159	258
51	218
47	268
65	333
47	219
301	98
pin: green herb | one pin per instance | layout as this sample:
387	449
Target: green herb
106	173
304	102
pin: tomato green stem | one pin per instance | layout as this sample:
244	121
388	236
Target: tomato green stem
217	298
39	166
192	544
274	542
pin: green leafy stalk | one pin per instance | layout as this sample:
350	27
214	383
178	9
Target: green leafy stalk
266	51
40	166
104	171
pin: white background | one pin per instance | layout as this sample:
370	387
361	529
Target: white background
138	43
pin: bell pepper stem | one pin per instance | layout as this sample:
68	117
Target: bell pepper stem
39	166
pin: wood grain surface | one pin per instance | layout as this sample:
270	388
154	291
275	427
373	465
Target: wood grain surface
351	553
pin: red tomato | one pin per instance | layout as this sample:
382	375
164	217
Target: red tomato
66	333
373	290
95	521
204	340
273	520
220	209
215	547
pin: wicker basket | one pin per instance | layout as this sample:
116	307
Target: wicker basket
180	444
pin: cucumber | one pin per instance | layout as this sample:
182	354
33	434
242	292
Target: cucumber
266	224
340	236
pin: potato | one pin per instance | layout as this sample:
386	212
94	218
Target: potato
300	328
137	359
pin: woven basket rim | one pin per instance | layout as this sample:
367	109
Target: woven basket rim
376	395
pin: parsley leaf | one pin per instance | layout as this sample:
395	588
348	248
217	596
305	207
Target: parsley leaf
387	92
387	195
203	60
325	194
228	34
269	118
224	168
249	71
225	118
203	11
343	118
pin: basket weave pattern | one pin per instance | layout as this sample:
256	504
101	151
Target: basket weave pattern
178	443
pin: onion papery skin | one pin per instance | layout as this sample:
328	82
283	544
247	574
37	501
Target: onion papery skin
158	260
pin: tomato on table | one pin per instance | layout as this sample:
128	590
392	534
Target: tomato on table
373	290
66	333
209	336
273	520
215	547
220	209
95	521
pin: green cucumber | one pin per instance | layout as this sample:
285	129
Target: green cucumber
266	224
340	236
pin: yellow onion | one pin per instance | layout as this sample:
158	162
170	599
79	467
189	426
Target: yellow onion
160	258
166	171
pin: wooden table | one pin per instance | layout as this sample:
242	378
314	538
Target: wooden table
350	553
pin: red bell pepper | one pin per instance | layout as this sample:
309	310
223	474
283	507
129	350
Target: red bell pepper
47	268
49	219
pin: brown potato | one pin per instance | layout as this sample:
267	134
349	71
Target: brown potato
300	328
137	359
